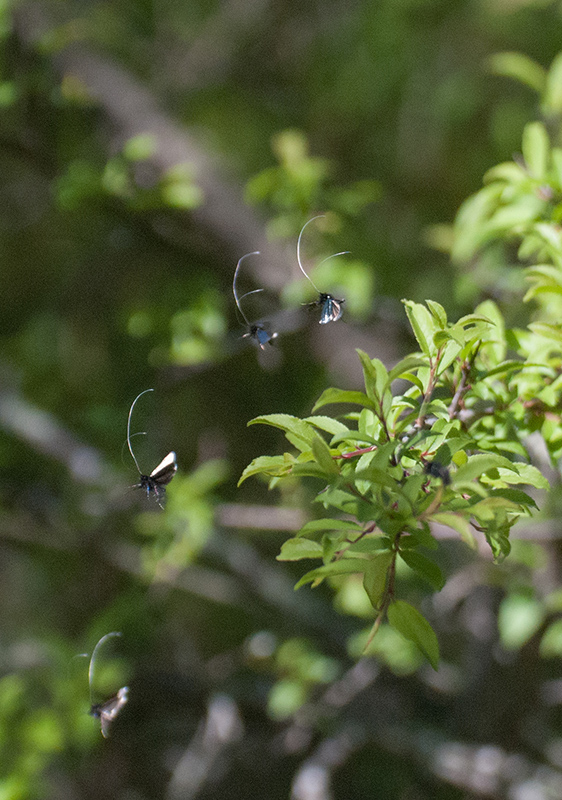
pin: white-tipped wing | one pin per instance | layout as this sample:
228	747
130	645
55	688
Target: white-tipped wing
165	470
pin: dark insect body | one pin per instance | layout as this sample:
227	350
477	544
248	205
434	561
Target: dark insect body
331	307
437	470
161	475
109	709
260	335
256	330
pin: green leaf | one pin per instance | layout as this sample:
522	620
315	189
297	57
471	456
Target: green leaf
296	549
328	424
376	476
323	456
376	377
322	525
530	475
457	523
515	496
301	434
499	543
425	568
408	621
550	233
375	577
268	465
552	99
453	334
506	368
423	537
553	332
478	464
404	366
310	469
347	502
340	396
422	324
438	312
344	566
536	149
521	68
493	345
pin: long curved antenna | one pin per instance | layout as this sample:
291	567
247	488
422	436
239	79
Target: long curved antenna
95	650
343	253
129	433
246	320
254	291
306	275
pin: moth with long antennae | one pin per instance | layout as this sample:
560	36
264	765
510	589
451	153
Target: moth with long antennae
109	709
256	330
161	475
330	305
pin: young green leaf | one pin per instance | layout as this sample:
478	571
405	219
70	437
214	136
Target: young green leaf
552	99
344	566
405	366
423	325
438	312
296	549
322	454
340	396
316	526
480	463
376	377
536	149
521	68
375	577
408	621
268	465
425	568
298	432
458	523
328	424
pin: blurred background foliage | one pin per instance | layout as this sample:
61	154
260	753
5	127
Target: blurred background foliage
144	148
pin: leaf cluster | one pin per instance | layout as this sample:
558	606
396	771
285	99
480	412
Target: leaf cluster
439	438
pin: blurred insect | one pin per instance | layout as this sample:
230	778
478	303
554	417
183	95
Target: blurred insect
109	709
331	307
162	474
437	470
256	330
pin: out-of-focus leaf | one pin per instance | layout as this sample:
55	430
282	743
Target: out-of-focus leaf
408	621
521	68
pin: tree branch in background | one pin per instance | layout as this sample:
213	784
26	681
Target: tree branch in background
132	110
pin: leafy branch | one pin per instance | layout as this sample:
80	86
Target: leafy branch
406	460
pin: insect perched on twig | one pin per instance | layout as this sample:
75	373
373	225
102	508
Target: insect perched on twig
331	306
256	330
161	475
109	709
